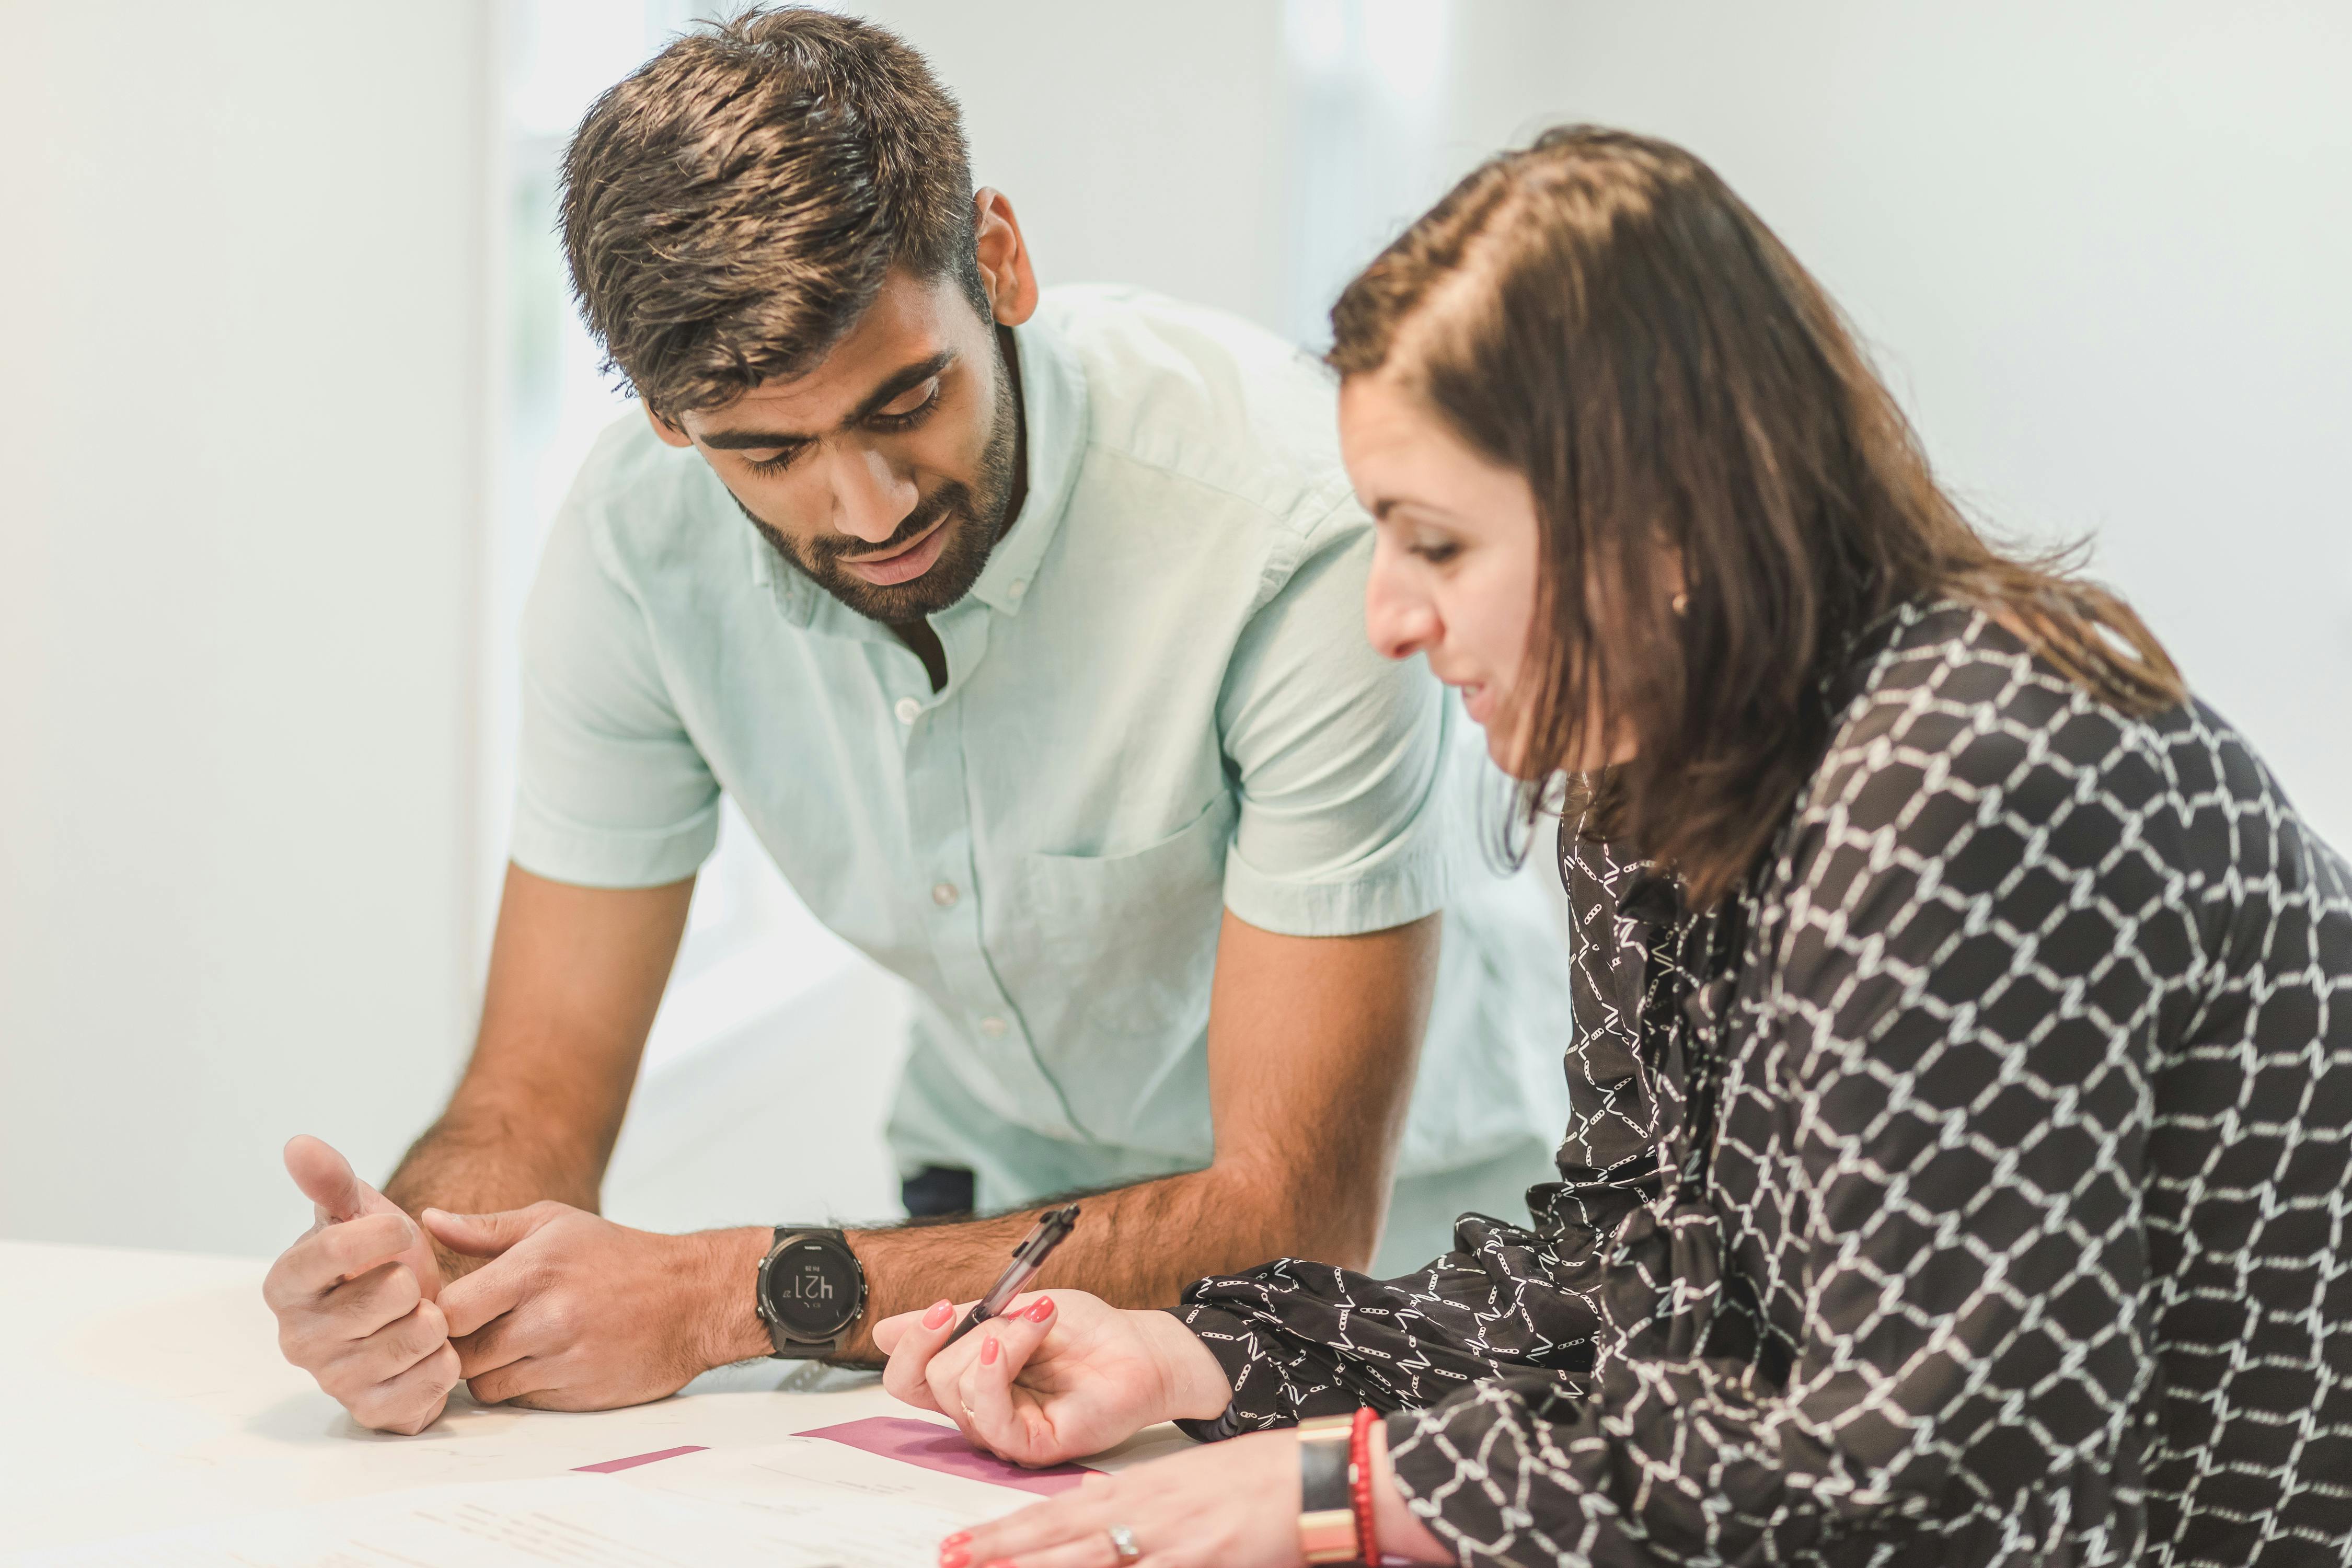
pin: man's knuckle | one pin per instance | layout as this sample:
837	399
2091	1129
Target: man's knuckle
419	1338
560	1321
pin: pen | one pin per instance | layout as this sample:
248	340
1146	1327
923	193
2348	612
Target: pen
1052	1227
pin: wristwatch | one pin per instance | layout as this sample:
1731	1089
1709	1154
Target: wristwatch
811	1290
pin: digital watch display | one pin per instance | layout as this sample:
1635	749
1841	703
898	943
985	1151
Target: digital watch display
811	1290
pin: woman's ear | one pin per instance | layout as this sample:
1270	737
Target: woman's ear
1005	269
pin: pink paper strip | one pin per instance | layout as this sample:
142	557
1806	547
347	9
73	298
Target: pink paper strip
942	1449
633	1461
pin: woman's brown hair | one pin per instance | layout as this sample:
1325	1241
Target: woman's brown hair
1599	313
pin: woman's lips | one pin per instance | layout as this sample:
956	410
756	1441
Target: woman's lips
1475	700
907	565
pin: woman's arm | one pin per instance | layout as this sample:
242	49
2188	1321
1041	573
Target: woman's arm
1299	1340
1228	1505
1946	1088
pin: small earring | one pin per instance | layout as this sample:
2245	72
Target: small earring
1679	603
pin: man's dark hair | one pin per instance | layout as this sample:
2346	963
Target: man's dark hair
730	209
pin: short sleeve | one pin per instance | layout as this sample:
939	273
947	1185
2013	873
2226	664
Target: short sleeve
1340	758
613	793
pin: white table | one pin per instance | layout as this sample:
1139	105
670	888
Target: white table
144	1390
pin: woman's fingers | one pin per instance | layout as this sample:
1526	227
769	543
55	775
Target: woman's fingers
886	1331
1090	1550
1019	1429
907	1374
1044	1527
1226	1505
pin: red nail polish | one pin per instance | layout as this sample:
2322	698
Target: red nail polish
936	1318
988	1352
1041	1310
960	1538
954	1557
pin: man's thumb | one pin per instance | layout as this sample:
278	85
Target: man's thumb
479	1234
325	1177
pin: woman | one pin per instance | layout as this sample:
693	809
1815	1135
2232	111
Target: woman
1962	1063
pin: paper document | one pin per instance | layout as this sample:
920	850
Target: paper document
800	1503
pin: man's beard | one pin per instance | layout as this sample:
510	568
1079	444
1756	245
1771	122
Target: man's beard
974	521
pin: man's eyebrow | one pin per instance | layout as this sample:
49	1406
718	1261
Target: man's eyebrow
898	385
737	440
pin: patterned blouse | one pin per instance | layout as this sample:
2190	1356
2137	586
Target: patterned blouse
1971	1187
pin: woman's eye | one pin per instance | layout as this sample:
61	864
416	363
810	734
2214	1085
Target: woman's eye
1437	554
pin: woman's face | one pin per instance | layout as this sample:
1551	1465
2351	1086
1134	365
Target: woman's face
1453	563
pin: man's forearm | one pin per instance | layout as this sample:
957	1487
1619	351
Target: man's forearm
1135	1247
474	1161
575	975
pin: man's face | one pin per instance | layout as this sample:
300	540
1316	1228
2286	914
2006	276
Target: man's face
883	474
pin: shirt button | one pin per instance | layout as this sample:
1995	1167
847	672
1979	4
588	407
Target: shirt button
994	1027
944	895
1018	586
907	710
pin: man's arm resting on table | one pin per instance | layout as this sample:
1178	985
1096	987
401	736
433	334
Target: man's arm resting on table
575	976
1312	1045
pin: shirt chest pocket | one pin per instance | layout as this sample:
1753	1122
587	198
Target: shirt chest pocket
1110	959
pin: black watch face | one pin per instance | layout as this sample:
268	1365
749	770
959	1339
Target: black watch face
813	1290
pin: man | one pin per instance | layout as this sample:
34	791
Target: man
1040	671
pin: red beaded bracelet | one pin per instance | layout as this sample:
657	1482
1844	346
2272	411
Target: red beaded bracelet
1359	1484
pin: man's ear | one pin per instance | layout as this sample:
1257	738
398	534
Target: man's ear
667	431
1005	267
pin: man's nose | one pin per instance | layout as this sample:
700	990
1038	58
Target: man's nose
870	497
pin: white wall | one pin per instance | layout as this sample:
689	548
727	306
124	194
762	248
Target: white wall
240	293
1143	143
2101	252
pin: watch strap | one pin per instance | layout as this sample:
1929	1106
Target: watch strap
1327	1510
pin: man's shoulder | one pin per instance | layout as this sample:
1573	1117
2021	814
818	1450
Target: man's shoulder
1199	398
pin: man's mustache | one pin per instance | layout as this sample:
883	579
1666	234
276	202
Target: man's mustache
951	497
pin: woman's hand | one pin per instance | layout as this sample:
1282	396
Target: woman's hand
1055	1377
1224	1505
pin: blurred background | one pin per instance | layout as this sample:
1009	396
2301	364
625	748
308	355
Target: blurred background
291	385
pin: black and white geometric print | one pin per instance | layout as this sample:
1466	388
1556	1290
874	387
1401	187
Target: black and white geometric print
2024	1231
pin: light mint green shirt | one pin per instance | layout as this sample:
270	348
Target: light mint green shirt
1160	705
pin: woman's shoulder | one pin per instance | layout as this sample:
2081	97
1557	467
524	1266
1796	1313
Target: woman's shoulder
1943	695
1950	732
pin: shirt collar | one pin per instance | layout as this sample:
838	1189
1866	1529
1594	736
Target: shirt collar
1054	414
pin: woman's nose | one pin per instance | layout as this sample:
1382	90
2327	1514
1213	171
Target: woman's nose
1399	623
